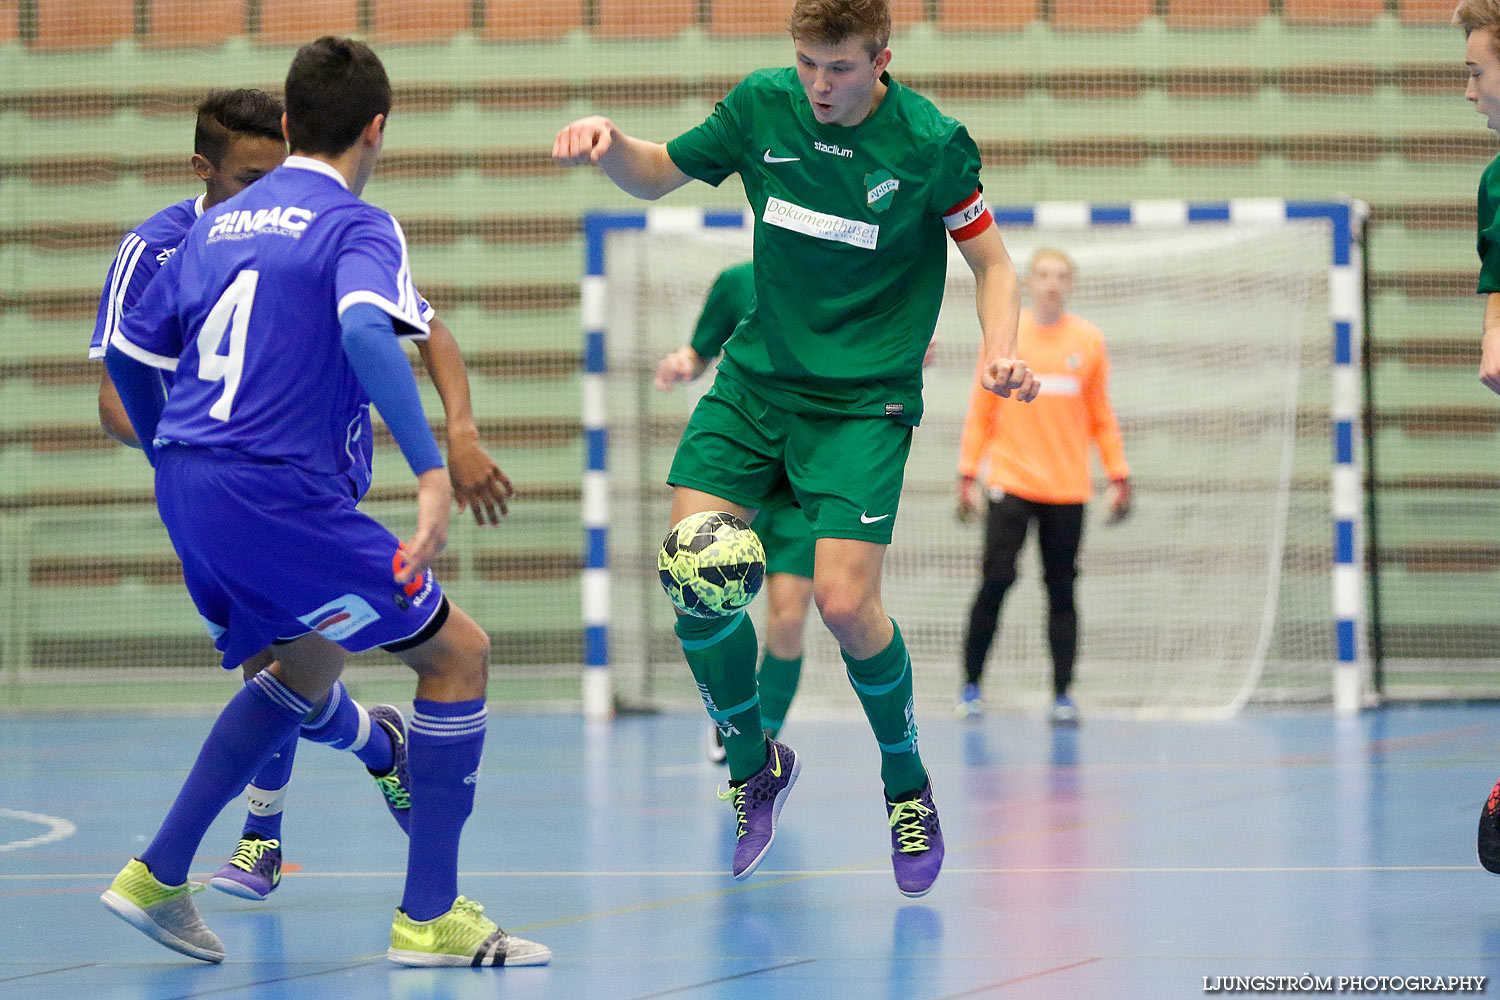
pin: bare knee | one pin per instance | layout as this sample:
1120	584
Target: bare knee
468	651
842	609
454	664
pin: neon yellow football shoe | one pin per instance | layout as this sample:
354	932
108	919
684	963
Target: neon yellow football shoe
462	936
163	912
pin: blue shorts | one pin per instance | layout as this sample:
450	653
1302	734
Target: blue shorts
271	552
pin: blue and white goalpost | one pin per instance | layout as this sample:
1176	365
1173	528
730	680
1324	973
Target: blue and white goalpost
1234	330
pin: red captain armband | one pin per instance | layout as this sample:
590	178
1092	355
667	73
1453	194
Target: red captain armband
968	218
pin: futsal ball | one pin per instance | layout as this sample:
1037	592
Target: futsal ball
711	564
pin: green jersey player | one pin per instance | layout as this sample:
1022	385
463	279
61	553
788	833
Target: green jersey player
783	530
855	182
1480	20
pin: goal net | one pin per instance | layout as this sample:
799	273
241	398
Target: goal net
1216	591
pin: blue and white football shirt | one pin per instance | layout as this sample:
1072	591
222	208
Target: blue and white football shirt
142	253
250	307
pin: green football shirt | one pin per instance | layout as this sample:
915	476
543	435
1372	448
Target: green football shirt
729	300
851	249
1489	229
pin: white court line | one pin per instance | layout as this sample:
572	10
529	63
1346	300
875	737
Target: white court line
57	829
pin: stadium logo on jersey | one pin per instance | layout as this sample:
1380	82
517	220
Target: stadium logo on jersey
242	224
339	619
880	190
819	225
165	255
825	147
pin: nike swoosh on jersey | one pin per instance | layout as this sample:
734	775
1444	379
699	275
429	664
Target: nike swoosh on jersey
779	159
867	519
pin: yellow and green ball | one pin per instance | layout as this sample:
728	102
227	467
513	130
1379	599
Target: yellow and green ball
711	564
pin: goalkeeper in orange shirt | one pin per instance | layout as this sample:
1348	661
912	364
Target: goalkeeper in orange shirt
1038	464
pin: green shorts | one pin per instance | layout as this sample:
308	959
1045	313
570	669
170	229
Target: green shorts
788	540
845	472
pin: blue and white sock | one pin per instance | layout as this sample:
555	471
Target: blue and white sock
343	724
258	719
267	792
445	745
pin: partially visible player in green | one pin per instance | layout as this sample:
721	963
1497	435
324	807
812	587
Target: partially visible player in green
855	182
1480	20
784	531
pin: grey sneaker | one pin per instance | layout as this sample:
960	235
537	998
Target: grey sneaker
163	912
394	785
757	805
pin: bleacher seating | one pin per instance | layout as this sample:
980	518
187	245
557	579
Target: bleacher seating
983	15
183	23
294	22
1427	12
532	20
768	17
421	20
1100	15
643	19
747	17
1216	13
10	21
74	25
1379	122
1331	12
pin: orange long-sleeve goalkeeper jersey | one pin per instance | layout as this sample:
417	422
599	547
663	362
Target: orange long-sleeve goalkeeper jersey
1040	450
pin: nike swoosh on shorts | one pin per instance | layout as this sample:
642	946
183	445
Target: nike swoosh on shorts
867	519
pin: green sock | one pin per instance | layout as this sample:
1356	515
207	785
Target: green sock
778	685
883	683
721	654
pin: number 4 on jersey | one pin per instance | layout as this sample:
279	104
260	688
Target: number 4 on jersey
232	313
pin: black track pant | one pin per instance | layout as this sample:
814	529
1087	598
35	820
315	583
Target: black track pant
1059	530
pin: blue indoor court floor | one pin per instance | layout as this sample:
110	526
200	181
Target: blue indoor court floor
1119	860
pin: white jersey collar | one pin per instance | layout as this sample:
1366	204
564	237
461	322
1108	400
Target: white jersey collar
316	166
198	205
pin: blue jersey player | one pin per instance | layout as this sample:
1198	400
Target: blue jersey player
281	316
237	140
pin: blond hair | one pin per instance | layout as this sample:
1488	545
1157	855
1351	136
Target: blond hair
829	22
1056	254
1471	15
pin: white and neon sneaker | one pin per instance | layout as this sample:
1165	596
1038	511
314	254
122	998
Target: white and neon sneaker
462	936
163	912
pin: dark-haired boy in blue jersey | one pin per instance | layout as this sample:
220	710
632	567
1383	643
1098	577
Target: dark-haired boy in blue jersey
237	139
282	315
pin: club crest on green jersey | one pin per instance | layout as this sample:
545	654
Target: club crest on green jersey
880	189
